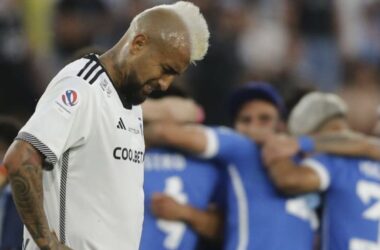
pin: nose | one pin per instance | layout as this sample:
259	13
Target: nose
255	124
165	82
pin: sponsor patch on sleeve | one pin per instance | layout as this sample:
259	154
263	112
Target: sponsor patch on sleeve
66	102
70	98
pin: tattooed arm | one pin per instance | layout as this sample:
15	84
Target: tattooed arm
24	165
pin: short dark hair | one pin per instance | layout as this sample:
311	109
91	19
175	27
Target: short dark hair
255	91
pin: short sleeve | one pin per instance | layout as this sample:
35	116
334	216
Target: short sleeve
225	144
62	118
320	165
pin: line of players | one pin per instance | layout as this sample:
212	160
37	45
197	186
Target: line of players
262	186
254	187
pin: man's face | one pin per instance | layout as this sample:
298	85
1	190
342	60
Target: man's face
257	119
154	68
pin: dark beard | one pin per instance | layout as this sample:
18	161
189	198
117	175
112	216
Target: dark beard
132	90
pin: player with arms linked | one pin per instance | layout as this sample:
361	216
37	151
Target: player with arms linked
179	188
351	185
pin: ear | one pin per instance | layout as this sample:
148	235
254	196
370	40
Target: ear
139	42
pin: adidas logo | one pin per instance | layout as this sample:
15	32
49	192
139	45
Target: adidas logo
121	125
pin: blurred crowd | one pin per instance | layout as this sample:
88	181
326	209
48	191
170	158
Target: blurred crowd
296	45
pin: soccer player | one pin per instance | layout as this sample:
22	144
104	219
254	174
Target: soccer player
351	185
76	167
178	188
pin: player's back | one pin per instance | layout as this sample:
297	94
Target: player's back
258	216
351	214
187	180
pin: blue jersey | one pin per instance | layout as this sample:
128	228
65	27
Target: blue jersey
187	180
351	212
12	234
258	216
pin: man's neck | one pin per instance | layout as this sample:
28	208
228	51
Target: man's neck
108	60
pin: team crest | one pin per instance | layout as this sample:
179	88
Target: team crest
70	98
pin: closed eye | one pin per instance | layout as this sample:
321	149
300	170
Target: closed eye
167	70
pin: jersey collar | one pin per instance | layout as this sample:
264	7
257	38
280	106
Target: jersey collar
122	97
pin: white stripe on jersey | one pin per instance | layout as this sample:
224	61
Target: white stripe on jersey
320	170
212	144
242	203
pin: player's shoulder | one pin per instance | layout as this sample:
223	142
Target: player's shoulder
324	161
86	70
76	77
68	87
232	143
72	69
229	134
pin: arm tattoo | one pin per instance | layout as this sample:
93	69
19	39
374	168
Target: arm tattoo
27	191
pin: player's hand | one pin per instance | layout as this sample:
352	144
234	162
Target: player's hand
259	135
55	244
165	207
278	147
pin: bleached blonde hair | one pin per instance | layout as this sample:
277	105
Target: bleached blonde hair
194	21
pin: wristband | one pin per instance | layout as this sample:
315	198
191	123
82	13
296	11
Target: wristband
306	144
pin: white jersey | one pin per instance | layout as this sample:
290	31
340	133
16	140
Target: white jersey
93	196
